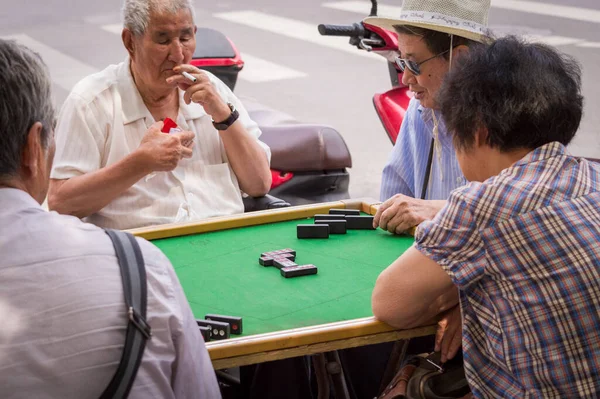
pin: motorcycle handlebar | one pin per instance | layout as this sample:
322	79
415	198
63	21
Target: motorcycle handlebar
341	30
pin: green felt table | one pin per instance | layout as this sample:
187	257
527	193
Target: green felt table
217	265
220	273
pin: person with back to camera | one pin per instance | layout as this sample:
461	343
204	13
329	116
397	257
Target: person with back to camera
62	305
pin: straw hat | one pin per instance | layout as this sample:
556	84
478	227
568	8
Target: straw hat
466	18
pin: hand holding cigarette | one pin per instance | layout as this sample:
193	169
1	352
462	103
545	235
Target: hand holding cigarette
200	89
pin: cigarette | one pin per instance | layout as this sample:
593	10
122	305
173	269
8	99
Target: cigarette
189	76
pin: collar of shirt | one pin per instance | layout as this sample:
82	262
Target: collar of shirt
443	135
13	200
133	106
541	153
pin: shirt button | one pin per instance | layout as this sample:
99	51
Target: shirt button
459	180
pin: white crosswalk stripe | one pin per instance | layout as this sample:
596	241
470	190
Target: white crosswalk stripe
113	28
64	70
363	7
360	7
552	10
590	45
532	7
292	28
256	70
555	40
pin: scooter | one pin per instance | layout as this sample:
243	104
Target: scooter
392	104
308	161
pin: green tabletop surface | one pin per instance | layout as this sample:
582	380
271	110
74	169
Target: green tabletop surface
220	273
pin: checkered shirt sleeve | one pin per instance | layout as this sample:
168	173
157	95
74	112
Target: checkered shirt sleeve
523	248
452	240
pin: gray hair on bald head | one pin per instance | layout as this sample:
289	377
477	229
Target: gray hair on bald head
25	98
136	13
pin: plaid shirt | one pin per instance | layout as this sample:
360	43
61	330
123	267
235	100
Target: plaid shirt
523	247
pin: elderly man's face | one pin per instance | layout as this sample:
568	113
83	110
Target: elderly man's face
432	73
169	40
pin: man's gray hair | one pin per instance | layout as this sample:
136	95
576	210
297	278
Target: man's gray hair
136	13
25	98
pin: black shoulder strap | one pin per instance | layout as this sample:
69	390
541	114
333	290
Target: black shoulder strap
133	273
428	170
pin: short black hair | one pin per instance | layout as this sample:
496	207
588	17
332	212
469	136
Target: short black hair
436	42
25	98
525	95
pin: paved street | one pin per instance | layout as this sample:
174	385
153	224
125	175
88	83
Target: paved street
291	68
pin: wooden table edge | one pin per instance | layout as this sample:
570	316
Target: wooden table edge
367	205
314	346
305	336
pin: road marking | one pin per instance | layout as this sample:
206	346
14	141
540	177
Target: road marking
113	28
589	45
65	71
257	70
363	7
552	10
532	7
554	40
292	28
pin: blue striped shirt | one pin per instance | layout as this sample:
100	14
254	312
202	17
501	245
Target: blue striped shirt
523	249
405	170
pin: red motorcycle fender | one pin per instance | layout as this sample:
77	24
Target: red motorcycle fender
391	107
280	177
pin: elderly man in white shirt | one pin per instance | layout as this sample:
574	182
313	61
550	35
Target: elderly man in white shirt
61	298
115	168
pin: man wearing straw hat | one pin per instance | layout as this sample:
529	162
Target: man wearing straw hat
431	34
422	169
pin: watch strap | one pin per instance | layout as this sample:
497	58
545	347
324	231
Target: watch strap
224	125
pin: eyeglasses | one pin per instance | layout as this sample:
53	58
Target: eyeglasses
413	66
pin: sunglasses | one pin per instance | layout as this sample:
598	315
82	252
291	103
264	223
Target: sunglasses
413	66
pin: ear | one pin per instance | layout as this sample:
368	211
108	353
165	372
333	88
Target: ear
32	156
460	51
128	41
480	138
195	29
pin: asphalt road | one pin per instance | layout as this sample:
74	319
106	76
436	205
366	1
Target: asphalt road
291	68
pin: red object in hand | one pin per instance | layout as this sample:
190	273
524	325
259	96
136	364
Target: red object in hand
168	125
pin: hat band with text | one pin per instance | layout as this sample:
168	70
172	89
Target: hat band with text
434	18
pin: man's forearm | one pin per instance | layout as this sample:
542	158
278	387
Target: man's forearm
84	195
248	160
412	291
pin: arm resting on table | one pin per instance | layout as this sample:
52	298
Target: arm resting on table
412	291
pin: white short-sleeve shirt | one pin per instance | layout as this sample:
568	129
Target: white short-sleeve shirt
104	119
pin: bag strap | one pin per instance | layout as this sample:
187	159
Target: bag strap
428	170
133	274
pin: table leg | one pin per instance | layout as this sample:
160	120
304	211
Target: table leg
334	368
320	365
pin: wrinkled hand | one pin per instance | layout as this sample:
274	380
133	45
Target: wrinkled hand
400	212
161	151
448	337
202	91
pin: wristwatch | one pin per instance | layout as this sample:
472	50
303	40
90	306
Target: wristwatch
229	121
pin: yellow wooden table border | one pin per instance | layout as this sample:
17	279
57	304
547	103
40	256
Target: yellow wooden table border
295	342
366	205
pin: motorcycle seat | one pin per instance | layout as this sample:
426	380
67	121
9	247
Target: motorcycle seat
298	147
305	147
